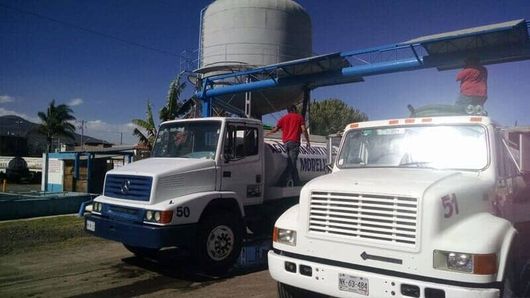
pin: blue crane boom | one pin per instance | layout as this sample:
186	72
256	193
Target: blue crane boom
496	43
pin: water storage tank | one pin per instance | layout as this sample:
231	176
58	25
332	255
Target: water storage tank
241	34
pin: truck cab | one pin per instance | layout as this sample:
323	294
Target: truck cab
207	180
415	207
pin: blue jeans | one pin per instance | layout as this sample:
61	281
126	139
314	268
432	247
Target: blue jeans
291	171
464	101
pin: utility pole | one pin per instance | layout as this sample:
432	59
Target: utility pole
82	127
18	137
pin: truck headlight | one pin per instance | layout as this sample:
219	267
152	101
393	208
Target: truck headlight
465	262
97	207
284	236
149	215
159	217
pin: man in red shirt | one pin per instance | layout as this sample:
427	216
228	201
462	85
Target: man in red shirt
292	125
473	84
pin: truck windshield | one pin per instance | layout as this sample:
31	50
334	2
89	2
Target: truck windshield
443	147
193	139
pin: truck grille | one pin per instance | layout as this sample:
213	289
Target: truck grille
137	188
381	218
123	213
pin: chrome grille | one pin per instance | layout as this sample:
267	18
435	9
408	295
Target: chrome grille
138	187
382	218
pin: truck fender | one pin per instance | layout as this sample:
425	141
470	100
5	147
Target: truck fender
188	209
481	233
289	219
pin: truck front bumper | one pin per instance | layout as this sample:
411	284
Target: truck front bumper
324	279
140	235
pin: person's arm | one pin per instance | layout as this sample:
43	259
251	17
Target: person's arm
306	135
462	75
273	130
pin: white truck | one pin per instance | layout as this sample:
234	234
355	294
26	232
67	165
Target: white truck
416	207
207	180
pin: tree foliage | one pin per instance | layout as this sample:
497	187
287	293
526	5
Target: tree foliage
56	122
173	102
330	116
146	129
147	134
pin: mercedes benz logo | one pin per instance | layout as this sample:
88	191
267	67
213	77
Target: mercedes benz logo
125	186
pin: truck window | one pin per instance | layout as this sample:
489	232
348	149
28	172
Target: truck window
444	147
241	142
187	139
507	167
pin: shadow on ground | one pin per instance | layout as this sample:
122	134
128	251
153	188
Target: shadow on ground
174	273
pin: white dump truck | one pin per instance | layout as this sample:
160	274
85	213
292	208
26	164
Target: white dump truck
416	207
207	180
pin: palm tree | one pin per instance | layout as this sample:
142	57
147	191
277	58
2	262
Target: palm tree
169	111
148	135
56	122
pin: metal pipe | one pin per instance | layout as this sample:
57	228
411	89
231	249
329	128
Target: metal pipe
199	55
348	72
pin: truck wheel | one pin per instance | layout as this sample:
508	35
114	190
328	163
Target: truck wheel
142	252
517	282
287	291
513	282
219	242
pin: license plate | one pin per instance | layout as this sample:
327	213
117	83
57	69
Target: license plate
353	284
90	225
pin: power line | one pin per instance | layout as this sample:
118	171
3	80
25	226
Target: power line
131	43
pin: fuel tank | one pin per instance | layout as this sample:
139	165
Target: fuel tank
311	162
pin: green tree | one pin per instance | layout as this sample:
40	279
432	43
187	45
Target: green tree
331	116
147	128
56	122
173	102
148	135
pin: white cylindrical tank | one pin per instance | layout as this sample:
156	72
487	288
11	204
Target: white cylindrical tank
311	162
241	34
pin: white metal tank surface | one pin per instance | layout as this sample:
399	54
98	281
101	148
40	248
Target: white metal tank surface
241	34
311	162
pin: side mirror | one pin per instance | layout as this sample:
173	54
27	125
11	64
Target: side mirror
226	157
524	152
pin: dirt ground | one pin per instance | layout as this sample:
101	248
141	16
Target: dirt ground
83	266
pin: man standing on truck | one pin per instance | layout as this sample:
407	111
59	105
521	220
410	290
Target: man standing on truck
473	84
292	125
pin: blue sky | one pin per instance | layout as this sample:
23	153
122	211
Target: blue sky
107	81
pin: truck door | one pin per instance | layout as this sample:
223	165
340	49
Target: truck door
511	200
242	170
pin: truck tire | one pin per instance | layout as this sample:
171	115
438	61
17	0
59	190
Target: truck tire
517	282
287	291
219	241
142	252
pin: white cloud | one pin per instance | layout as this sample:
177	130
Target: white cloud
113	133
75	102
6	98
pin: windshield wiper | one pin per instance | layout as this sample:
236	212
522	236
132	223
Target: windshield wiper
418	164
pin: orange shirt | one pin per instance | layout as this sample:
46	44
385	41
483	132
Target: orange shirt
473	81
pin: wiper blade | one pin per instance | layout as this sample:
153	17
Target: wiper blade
418	164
